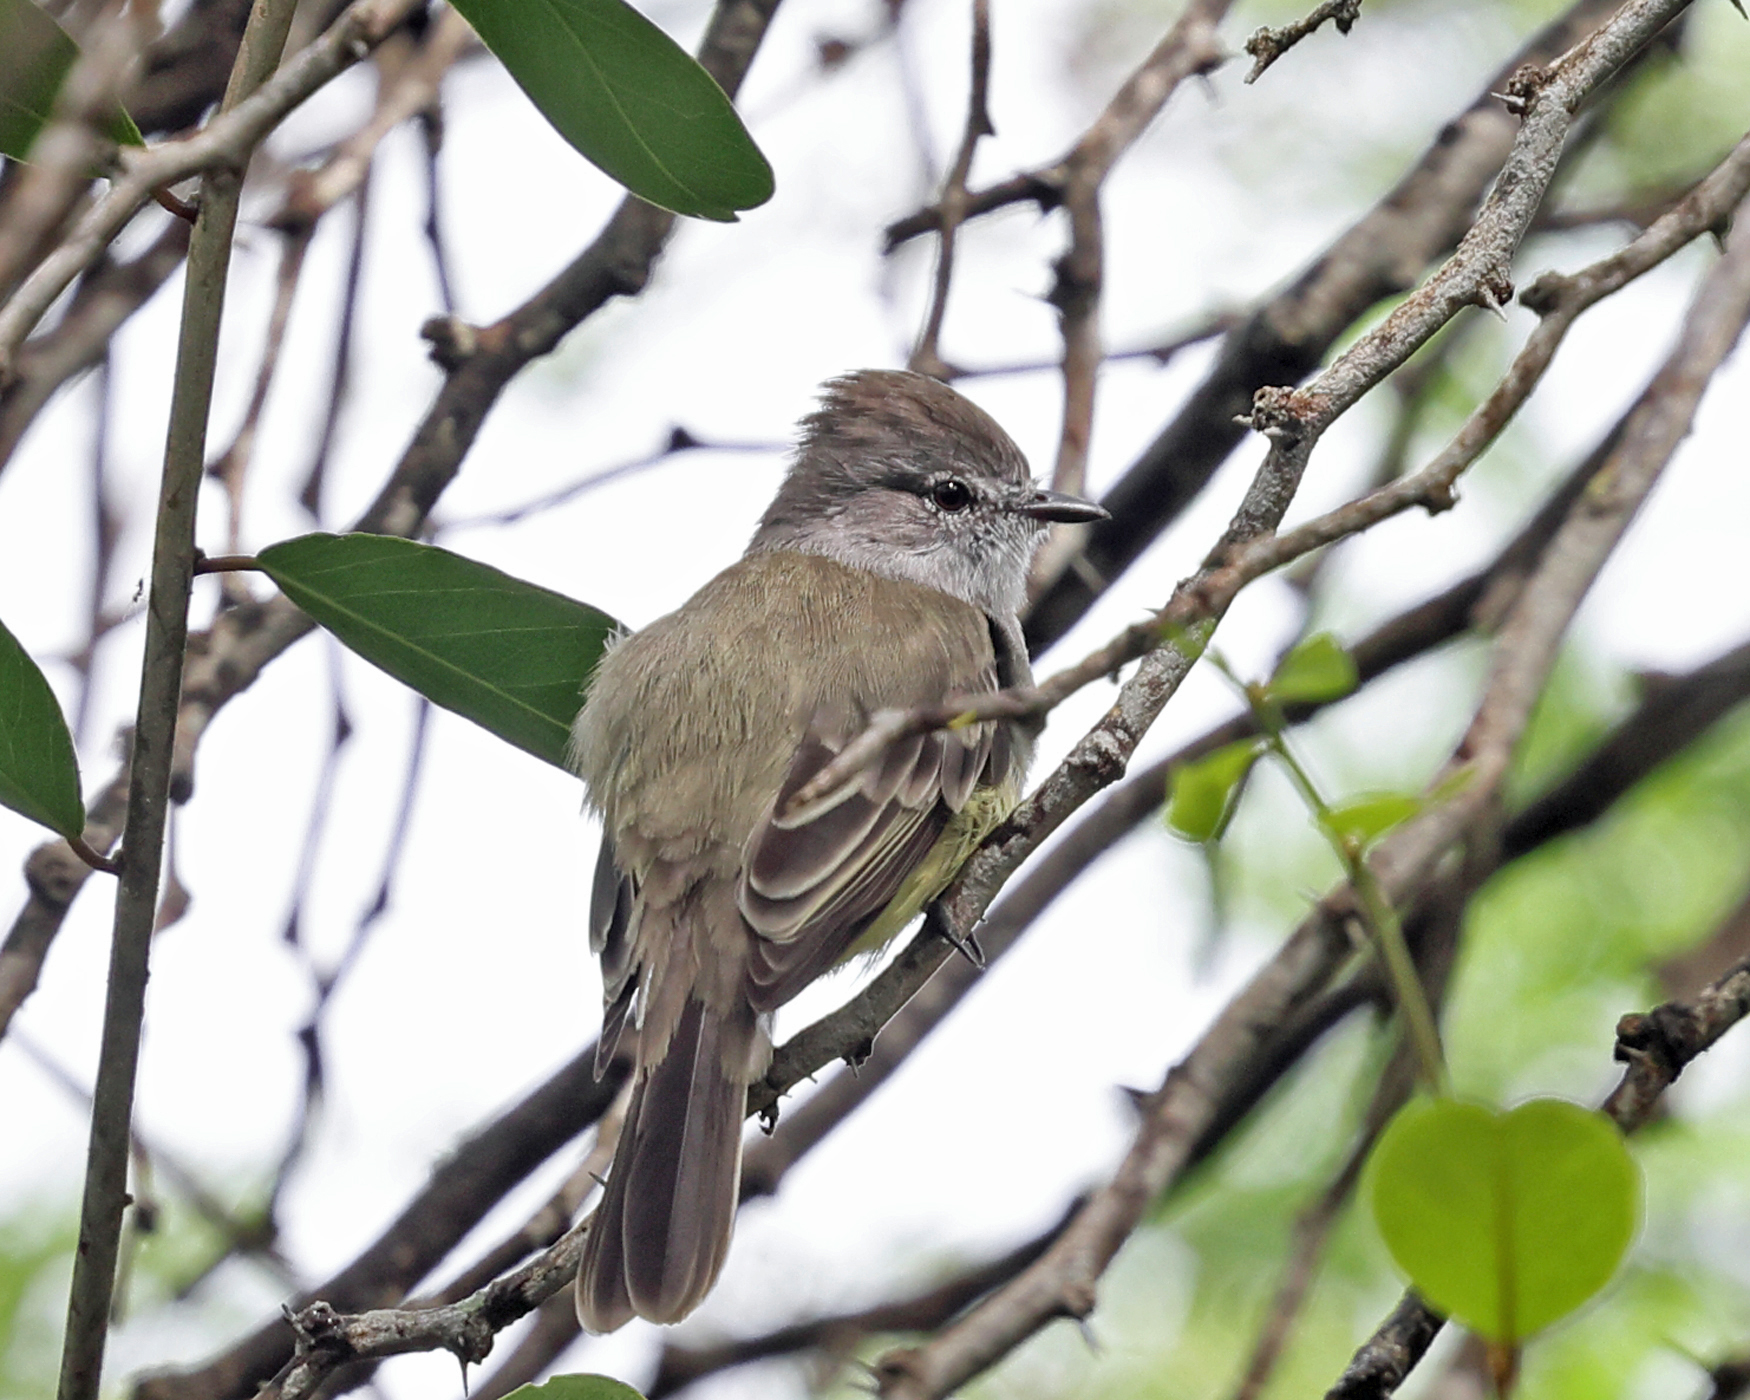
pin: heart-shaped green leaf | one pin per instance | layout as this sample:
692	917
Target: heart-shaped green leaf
510	656
1205	792
629	99
1506	1221
39	777
1316	671
1368	816
575	1388
35	54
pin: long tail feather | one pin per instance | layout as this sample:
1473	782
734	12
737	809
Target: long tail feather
661	1233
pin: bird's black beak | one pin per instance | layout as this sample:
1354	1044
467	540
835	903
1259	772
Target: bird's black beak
1061	507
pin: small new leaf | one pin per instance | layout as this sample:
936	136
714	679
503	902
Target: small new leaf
509	655
1363	819
39	776
576	1388
1506	1221
1205	792
630	101
1315	672
35	55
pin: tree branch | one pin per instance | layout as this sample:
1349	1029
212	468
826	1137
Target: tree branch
106	1173
224	143
1656	1046
1285	337
927	357
1267	45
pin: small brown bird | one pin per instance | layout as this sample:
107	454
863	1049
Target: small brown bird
887	573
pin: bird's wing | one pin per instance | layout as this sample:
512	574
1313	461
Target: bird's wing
814	879
611	906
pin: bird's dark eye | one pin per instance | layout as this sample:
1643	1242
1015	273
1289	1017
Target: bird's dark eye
951	494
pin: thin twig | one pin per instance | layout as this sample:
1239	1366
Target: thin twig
679	441
927	358
71	145
340	371
1267	45
223	143
232	465
105	297
1162	352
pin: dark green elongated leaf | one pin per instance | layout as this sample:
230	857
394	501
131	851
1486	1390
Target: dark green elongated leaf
1507	1221
35	54
1368	816
510	656
629	99
39	777
1204	791
1317	670
575	1388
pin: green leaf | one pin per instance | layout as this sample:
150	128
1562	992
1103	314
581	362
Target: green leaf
39	777
510	656
1204	792
35	54
1507	1221
1365	818
629	99
1316	671
575	1388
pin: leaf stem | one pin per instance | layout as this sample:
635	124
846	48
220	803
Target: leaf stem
226	563
1378	916
109	865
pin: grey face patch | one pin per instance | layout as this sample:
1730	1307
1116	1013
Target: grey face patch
898	474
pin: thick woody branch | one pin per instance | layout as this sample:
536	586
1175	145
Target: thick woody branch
1523	657
836	1335
1065	1279
1479	271
1530	635
462	1189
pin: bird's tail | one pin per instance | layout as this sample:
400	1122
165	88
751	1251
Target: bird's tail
660	1234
